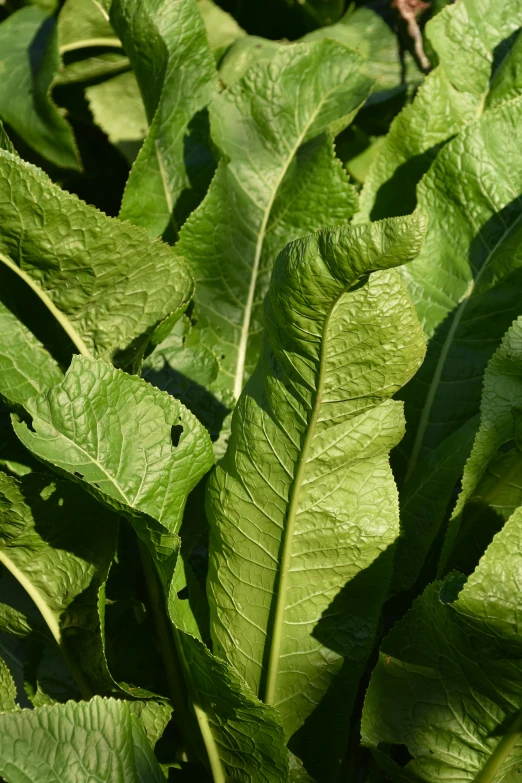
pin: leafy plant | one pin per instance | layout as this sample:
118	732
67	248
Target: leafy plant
260	434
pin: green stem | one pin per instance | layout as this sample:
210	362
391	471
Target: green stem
114	43
502	751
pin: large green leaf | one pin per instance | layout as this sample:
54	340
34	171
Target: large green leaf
492	476
464	285
222	29
278	180
105	283
171	57
56	546
303	507
141	452
77	743
28	42
472	41
446	689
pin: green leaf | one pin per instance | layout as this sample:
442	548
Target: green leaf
447	685
424	501
303	507
56	544
7	689
464	282
30	59
222	29
117	108
26	368
114	433
492	473
471	42
89	47
278	180
77	743
170	55
365	31
106	284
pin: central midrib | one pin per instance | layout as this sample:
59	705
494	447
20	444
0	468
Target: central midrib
289	525
430	398
245	328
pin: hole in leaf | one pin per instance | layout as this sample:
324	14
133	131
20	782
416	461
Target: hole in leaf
183	594
78	474
175	434
401	755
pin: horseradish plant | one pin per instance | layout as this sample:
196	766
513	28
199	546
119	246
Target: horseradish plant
260	498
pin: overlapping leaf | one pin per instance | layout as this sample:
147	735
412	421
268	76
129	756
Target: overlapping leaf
447	686
171	58
491	486
303	507
56	546
464	286
30	59
279	180
106	284
90	427
77	743
472	41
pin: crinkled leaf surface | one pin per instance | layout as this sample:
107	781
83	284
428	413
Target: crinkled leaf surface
7	689
472	41
171	57
303	507
115	434
465	282
29	61
106	283
492	476
447	685
77	743
278	180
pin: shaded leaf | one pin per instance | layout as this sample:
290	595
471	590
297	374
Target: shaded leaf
30	59
447	685
175	69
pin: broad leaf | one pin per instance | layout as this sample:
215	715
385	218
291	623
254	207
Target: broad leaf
170	55
447	685
222	29
303	507
492	476
464	285
30	59
56	545
77	743
278	180
471	40
106	284
141	452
